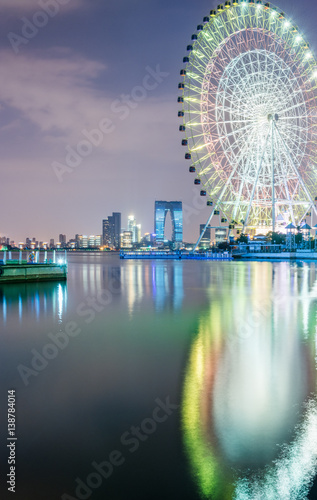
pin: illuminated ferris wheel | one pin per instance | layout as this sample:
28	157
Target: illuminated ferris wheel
249	115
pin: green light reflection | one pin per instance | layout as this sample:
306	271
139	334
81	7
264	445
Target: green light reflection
249	411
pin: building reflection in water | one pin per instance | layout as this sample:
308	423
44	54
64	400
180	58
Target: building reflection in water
133	278
93	277
249	410
135	281
33	300
139	281
167	285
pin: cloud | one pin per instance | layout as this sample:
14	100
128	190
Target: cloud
55	92
61	94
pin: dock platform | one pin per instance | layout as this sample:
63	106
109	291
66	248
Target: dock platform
177	255
31	269
14	273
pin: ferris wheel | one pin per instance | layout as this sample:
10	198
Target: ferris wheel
249	109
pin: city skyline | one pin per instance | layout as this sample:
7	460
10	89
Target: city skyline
131	224
89	123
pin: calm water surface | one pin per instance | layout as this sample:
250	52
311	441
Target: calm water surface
196	379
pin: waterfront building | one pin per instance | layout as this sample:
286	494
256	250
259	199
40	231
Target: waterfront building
220	234
34	243
62	240
131	223
176	210
106	236
126	239
135	229
111	230
82	241
94	241
206	239
136	235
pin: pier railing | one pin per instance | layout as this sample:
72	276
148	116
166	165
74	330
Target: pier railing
33	257
165	254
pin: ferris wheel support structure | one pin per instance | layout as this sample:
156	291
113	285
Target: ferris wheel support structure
273	180
256	180
312	205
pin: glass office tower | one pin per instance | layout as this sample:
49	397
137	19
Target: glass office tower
176	210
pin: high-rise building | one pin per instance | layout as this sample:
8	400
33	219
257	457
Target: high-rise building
116	228
106	236
62	240
135	229
206	239
131	223
126	239
52	243
94	241
111	230
176	210
220	234
136	235
83	241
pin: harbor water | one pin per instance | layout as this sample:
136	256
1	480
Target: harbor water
162	379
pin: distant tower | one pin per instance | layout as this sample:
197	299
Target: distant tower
62	240
176	210
111	230
135	229
131	223
106	236
206	240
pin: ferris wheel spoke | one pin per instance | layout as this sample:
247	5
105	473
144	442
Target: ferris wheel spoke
297	172
236	167
235	121
295	106
293	140
288	196
241	139
295	117
256	180
246	127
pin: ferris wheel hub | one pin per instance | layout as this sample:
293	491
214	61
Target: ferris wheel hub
273	117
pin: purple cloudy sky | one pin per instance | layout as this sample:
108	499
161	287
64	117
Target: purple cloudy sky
73	75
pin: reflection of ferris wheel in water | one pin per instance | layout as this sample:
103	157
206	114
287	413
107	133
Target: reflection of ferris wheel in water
249	110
